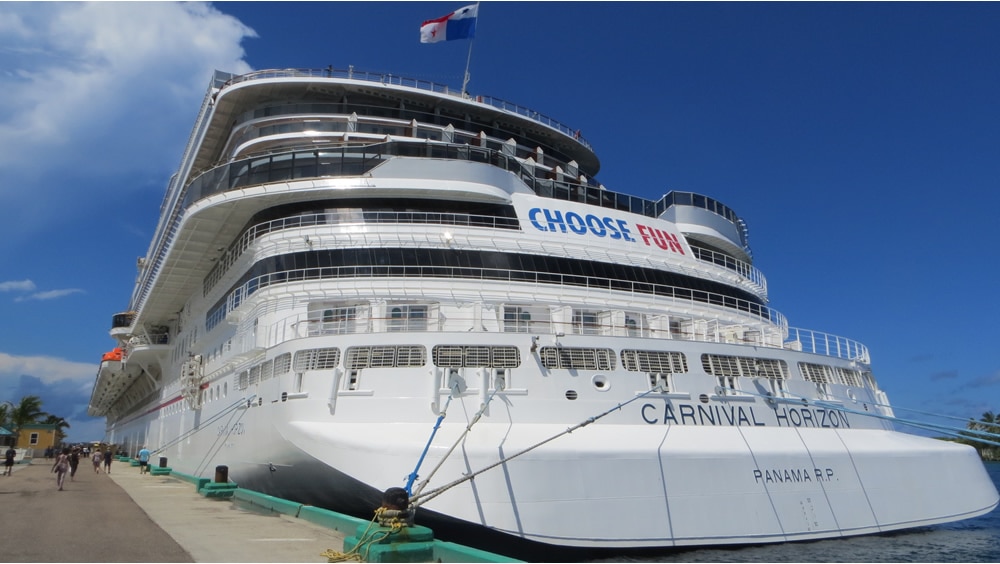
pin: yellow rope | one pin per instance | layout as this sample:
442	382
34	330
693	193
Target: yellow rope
365	541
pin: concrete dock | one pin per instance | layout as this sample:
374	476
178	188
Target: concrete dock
127	517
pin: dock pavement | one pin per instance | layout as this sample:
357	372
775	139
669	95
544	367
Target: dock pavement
127	517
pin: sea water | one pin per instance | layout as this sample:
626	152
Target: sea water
972	540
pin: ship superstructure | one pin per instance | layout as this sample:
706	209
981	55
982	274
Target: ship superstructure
344	259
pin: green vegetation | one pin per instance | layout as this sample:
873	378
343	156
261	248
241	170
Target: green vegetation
14	416
986	437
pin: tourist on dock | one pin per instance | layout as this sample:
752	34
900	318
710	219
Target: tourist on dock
97	458
144	455
74	462
8	463
107	461
61	467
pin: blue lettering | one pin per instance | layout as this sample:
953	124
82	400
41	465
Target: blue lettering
808	416
685	413
623	227
576	223
779	415
646	419
705	414
612	228
555	218
595	225
668	414
532	216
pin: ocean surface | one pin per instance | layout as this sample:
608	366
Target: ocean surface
972	540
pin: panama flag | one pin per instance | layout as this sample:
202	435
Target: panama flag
460	24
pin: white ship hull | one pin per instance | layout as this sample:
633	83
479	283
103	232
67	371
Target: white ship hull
564	366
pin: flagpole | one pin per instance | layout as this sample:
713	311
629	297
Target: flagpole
465	77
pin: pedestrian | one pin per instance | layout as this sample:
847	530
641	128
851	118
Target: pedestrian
8	463
74	462
61	467
144	455
107	461
97	458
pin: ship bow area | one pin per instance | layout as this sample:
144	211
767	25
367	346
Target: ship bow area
661	486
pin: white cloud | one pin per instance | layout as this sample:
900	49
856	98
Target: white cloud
49	295
17	286
48	369
93	91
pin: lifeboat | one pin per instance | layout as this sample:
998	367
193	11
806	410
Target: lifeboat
113	354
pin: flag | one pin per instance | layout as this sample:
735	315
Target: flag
460	24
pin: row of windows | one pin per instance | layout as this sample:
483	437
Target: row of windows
823	374
358	160
482	265
465	214
658	364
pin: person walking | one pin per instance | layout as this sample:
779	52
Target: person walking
144	455
97	459
74	463
61	467
8	463
107	461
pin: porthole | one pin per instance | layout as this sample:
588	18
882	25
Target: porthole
601	382
571	394
703	398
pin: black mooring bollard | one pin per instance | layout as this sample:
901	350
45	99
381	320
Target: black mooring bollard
163	462
221	474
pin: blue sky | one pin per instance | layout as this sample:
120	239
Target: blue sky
860	141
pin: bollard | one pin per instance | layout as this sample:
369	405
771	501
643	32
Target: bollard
221	474
163	462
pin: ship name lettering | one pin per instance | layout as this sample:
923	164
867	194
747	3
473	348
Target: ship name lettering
715	415
809	417
792	475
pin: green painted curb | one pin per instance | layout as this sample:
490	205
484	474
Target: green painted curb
275	504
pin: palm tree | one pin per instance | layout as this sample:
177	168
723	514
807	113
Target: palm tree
28	412
5	410
61	426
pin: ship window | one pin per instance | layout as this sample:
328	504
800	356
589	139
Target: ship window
516	319
408	318
266	370
666	362
849	377
317	359
817	373
586	322
747	367
400	356
457	356
282	364
577	358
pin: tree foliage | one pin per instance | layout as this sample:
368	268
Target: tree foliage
989	423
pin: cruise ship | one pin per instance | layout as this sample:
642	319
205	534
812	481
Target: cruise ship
363	283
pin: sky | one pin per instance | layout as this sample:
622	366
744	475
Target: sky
859	141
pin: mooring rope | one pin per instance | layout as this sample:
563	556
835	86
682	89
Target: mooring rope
957	432
458	441
437	425
203	425
419	499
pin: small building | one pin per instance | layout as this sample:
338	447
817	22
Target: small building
7	437
37	436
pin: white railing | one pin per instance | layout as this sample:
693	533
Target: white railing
300	326
826	344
